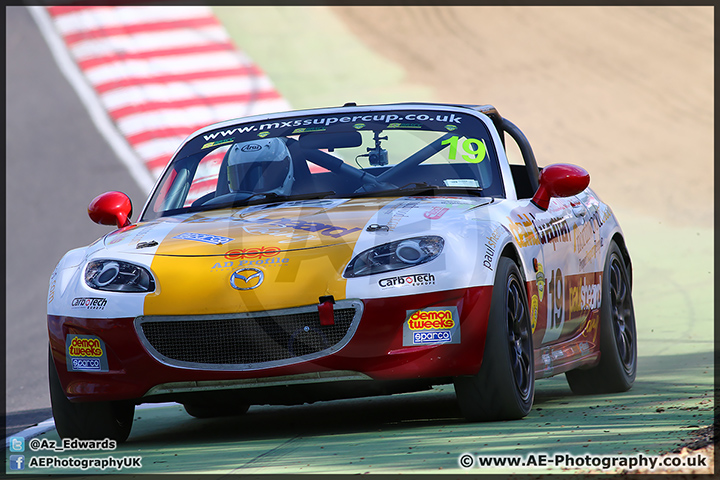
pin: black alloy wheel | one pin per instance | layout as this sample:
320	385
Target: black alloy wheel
617	367
504	387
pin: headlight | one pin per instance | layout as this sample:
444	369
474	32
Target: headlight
118	276
395	255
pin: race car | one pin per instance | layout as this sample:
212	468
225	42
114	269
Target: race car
343	252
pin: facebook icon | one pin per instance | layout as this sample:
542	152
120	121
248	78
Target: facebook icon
17	462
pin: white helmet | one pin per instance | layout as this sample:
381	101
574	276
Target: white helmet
260	166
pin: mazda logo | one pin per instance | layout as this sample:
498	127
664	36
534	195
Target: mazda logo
246	278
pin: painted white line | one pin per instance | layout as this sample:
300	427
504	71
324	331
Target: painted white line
200	63
148	42
81	21
87	95
49	424
179	91
197	116
158	147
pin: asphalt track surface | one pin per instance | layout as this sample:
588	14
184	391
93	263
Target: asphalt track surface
56	163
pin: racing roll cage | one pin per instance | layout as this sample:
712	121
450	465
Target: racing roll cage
502	125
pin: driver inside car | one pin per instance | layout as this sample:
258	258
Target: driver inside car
260	166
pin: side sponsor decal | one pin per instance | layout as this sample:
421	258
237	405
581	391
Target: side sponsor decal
540	280
435	213
401	210
316	123
321	228
431	326
89	303
217	143
570	299
592	328
223	266
393	213
533	312
582	236
527	231
259	252
415	280
490	246
523	231
85	353
203	237
586	297
51	290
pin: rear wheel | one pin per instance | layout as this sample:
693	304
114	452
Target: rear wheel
88	420
199	410
618	340
503	389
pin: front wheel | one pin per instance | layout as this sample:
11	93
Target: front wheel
618	339
88	420
504	387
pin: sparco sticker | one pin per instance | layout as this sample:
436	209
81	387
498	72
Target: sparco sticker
431	326
85	353
203	237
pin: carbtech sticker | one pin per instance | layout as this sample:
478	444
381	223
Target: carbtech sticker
85	353
431	326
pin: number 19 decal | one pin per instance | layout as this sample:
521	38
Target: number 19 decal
472	146
556	302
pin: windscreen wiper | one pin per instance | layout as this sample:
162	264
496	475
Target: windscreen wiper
274	197
257	198
422	188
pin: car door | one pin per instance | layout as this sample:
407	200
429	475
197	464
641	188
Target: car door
572	289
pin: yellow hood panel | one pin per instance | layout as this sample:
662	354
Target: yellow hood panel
300	250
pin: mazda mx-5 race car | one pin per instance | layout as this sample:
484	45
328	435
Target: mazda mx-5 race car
343	252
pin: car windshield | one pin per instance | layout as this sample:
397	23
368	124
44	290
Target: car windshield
337	155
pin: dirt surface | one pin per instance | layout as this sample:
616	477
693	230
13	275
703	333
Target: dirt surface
625	92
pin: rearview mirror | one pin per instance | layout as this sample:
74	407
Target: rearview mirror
560	180
111	208
330	141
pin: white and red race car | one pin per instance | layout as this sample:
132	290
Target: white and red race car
342	252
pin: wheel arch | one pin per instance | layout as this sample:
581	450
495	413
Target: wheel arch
620	241
510	251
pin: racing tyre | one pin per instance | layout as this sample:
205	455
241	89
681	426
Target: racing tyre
88	420
618	339
504	387
198	410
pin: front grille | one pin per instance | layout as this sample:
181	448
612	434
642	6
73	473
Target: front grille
248	340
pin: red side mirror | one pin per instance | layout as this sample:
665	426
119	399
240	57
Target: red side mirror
111	208
560	180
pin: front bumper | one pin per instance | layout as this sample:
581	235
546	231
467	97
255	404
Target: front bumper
371	349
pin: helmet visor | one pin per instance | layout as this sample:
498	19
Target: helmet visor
258	176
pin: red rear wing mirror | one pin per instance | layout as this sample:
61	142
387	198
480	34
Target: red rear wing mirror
111	208
560	180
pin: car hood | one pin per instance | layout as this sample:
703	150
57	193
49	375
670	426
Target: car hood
302	249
